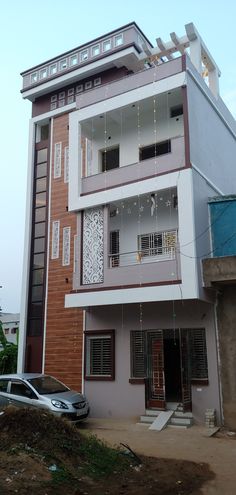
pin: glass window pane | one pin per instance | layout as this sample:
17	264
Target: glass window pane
39	245
38	261
36	309
39	229
41	170
37	293
42	155
41	185
38	276
35	328
40	199
40	214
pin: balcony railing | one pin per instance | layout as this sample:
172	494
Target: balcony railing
151	255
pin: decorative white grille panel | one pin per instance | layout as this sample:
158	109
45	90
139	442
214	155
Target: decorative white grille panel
93	234
55	239
66	164
66	246
57	160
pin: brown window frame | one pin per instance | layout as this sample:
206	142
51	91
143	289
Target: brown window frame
96	334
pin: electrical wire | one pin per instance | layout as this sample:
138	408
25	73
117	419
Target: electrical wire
210	252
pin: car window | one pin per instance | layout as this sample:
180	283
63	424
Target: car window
3	385
47	385
19	388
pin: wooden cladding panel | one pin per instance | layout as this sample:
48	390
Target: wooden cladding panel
64	326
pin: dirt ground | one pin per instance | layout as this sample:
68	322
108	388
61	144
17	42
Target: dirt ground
44	455
193	444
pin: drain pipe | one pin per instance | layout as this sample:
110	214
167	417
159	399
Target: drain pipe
218	357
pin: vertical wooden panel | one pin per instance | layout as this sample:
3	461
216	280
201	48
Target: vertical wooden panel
64	327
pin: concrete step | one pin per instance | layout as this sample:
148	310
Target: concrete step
172	406
181	414
152	412
181	421
147	419
180	427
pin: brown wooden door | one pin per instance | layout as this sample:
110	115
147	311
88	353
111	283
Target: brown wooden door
155	383
185	370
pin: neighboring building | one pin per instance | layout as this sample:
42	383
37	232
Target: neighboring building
10	325
127	143
219	274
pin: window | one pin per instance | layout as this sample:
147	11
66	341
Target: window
6	331
119	40
114	248
44	132
33	77
14	330
53	69
95	50
79	88
63	64
3	385
176	111
153	150
157	244
110	158
43	73
73	60
100	356
106	45
19	388
138	352
198	352
84	55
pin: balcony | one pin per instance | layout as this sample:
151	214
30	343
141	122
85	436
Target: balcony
134	243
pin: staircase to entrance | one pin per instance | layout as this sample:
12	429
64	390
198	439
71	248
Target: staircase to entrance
173	417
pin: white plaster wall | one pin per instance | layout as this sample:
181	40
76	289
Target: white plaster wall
130	133
141	222
121	399
212	143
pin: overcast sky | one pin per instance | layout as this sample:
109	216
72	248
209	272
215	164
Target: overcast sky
32	32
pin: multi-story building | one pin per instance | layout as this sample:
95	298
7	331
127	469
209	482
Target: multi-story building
10	325
127	143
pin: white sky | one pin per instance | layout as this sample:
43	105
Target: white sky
32	32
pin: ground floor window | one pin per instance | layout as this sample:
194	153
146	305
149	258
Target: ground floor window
100	355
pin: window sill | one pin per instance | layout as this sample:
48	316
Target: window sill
99	378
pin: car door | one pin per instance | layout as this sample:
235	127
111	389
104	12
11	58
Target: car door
4	395
21	395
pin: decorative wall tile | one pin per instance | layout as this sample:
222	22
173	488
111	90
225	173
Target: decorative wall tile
55	239
93	239
66	246
66	164
57	160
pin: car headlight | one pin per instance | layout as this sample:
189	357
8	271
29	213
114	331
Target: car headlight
59	404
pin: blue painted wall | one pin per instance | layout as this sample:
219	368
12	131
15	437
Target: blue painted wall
223	225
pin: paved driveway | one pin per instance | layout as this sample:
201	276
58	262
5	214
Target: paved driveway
191	444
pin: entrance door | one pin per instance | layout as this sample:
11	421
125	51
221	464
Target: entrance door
168	369
155	370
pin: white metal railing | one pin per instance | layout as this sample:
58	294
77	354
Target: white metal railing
138	257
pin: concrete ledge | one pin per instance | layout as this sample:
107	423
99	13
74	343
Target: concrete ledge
219	270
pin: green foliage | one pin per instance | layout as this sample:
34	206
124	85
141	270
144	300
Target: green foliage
8	355
99	459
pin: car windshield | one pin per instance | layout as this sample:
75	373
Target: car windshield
47	385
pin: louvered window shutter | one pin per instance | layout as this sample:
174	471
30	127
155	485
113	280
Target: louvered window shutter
138	352
99	356
199	365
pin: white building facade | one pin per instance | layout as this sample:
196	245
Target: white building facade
146	151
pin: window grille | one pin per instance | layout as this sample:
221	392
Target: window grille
100	356
114	248
157	243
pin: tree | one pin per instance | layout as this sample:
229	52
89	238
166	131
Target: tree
8	354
